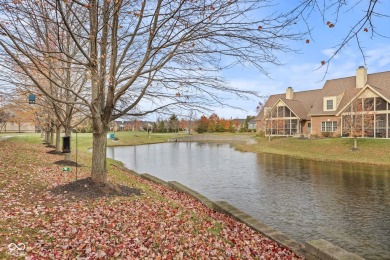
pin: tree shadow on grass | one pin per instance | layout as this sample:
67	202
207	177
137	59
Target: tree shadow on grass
88	189
54	152
68	163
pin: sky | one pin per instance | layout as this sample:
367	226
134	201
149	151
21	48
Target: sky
302	70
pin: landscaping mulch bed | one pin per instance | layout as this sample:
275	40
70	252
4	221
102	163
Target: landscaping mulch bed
87	189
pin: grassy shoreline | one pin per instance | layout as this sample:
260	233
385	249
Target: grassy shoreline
370	151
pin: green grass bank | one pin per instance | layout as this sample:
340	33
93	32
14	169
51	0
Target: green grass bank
370	151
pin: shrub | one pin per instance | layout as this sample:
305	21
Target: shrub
261	133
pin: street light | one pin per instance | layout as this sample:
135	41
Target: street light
76	152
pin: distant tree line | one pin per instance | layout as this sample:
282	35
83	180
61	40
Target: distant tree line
171	125
213	123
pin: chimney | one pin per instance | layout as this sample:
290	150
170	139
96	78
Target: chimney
361	77
289	93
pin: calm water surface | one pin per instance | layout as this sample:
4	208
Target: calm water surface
346	204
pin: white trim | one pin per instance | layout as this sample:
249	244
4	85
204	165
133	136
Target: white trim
276	104
325	103
358	95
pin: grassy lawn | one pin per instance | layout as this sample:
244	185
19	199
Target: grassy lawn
136	138
371	151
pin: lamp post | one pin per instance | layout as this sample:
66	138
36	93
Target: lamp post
76	152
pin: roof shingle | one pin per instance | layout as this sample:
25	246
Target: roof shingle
306	104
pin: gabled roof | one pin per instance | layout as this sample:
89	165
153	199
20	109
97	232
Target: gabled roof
297	107
362	90
381	83
271	101
346	89
300	105
306	104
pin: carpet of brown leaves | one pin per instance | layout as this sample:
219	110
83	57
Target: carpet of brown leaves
158	224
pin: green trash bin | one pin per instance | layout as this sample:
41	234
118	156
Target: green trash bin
112	136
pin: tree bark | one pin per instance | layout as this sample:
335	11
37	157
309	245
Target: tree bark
355	145
52	136
99	170
48	137
58	138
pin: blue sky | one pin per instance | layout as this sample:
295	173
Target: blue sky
302	70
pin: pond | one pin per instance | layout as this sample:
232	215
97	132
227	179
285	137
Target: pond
346	204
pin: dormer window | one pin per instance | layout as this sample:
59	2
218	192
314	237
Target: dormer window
329	103
266	110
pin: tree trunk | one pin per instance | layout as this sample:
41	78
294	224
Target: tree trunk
48	137
355	144
99	170
52	136
58	138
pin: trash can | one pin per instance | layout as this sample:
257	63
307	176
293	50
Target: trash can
111	136
66	144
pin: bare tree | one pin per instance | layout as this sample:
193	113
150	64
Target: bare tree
359	117
141	56
191	116
5	117
364	16
45	63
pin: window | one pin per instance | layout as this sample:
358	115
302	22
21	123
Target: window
294	123
380	104
380	126
346	123
329	104
329	126
281	111
287	112
368	124
388	125
266	110
369	104
274	113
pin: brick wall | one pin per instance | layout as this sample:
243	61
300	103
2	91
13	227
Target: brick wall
316	124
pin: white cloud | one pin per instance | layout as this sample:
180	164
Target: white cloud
302	74
329	53
379	58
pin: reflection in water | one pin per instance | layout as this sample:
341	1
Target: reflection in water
347	204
